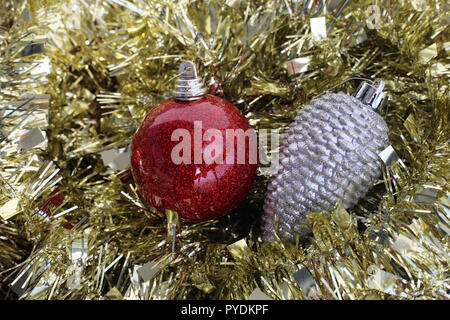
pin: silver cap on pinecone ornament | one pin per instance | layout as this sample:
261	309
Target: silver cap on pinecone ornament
329	156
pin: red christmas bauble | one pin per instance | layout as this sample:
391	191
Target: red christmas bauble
200	187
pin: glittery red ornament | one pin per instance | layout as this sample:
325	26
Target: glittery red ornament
201	187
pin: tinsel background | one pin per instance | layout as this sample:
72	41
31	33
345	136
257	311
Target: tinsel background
77	78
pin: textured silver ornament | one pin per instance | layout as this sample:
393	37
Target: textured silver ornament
330	155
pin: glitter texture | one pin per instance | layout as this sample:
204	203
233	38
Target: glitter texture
197	192
330	155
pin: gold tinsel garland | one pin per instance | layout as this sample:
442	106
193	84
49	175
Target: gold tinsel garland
77	77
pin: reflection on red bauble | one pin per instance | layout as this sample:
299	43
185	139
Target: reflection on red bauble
197	191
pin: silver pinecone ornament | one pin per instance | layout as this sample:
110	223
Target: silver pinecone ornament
330	155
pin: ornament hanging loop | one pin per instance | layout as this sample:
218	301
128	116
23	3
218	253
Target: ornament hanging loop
371	94
187	70
340	84
189	86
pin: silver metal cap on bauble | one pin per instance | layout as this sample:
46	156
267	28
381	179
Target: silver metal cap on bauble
189	86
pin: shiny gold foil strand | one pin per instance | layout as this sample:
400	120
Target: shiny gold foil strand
23	114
